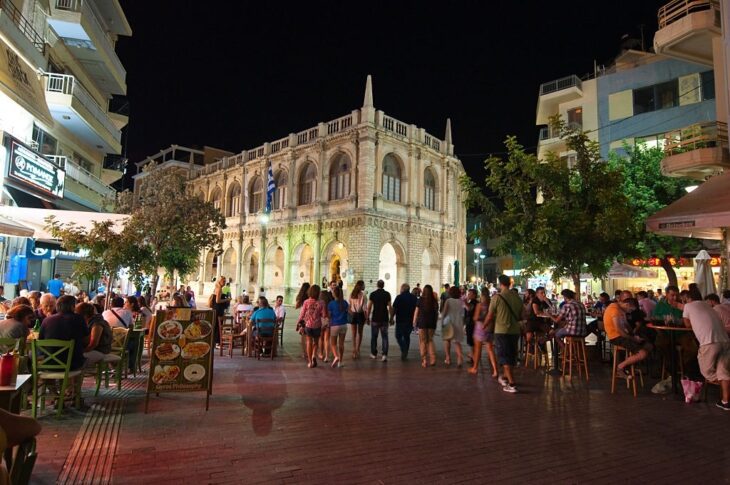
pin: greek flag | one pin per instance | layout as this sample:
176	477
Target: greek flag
270	189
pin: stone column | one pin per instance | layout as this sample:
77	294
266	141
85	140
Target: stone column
366	181
317	254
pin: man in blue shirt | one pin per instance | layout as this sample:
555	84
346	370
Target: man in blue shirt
55	285
263	320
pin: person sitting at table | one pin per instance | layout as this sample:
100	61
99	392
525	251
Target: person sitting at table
722	309
35	299
47	306
145	311
614	322
263	320
536	327
118	315
646	304
100	334
714	351
244	306
573	315
669	311
67	325
17	323
21	300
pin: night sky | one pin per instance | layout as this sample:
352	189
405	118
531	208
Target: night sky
234	75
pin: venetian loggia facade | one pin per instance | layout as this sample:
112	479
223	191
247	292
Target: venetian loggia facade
364	196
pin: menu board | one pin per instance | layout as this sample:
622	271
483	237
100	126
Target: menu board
181	358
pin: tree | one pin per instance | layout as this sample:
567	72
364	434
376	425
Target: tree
109	250
648	191
170	224
583	221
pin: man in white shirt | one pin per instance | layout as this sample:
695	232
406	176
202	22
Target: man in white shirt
279	309
117	316
714	353
722	309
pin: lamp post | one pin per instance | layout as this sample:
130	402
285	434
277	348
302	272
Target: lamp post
481	264
477	252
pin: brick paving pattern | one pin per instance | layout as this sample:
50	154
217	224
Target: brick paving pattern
372	422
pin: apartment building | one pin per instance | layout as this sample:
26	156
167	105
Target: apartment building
58	72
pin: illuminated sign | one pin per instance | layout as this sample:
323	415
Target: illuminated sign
31	168
676	225
657	262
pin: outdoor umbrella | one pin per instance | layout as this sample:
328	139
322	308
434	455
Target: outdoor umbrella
703	273
456	273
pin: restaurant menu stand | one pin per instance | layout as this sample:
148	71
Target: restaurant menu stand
181	354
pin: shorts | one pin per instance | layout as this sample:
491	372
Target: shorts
505	346
714	360
312	332
358	318
336	330
630	344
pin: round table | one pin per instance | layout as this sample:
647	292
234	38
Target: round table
672	349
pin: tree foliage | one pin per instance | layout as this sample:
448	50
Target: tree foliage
170	223
648	191
581	223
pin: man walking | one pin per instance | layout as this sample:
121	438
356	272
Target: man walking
504	311
404	307
381	313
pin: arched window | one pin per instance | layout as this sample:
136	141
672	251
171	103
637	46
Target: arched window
217	198
340	177
391	178
281	180
234	200
307	184
255	195
429	190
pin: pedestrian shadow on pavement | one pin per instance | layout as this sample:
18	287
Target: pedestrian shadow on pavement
263	398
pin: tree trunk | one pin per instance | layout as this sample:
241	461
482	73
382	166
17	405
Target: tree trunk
155	281
576	284
671	274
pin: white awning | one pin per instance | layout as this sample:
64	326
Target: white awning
11	228
34	220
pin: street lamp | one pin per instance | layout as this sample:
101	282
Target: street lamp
481	264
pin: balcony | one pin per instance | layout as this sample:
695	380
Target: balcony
87	187
74	108
686	30
77	23
22	32
553	93
697	152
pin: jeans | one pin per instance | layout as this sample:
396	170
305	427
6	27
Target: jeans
374	329
403	336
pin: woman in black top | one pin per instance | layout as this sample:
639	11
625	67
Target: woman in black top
538	306
425	318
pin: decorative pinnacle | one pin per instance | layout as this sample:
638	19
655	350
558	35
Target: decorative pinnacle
368	100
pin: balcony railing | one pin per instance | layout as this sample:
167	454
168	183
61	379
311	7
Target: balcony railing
678	9
87	9
23	25
67	84
560	84
701	135
82	176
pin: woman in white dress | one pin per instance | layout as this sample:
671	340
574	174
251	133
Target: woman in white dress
453	314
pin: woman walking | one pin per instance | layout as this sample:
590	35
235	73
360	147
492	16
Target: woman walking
453	314
337	309
298	302
483	335
425	318
358	308
313	311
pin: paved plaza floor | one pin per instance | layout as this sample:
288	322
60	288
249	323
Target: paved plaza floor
381	423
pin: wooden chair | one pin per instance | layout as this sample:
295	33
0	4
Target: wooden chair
533	351
262	343
575	351
20	461
12	344
226	333
49	365
634	370
148	339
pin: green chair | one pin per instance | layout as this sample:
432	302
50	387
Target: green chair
49	365
20	461
12	344
118	357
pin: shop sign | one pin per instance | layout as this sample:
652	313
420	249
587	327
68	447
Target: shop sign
676	225
657	262
31	168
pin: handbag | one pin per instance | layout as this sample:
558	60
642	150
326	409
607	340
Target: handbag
447	329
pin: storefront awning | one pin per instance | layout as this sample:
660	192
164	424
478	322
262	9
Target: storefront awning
12	228
21	83
35	219
619	270
701	214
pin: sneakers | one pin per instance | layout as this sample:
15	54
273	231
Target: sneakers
373	356
384	359
725	406
509	388
502	381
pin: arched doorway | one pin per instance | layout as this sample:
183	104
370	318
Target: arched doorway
253	274
430	269
335	263
228	265
211	267
302	265
274	269
388	268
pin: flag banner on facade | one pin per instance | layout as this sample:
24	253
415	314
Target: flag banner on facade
270	188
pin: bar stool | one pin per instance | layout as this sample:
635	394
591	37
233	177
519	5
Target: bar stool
532	351
634	371
575	351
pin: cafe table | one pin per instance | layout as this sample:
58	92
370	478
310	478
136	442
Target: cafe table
9	395
672	331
